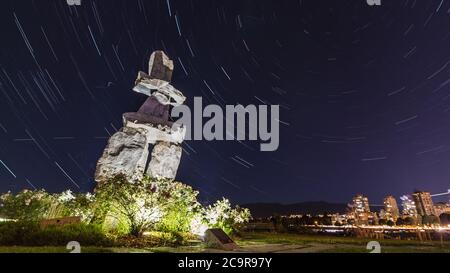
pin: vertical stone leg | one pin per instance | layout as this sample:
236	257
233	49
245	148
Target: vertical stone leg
126	153
165	160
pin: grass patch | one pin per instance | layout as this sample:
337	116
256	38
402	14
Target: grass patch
31	234
51	249
387	249
258	242
299	239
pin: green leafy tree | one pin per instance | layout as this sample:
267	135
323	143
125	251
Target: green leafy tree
430	220
180	207
326	220
148	205
136	205
130	208
78	204
223	215
410	221
400	222
304	220
445	219
26	205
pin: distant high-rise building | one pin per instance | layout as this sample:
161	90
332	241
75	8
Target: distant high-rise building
360	209
441	208
424	203
409	207
391	208
361	204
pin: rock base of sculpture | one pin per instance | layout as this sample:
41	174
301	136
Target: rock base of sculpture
165	160
126	153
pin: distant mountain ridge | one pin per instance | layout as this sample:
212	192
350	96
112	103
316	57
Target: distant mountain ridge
262	210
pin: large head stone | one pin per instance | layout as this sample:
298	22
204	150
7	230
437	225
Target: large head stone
160	66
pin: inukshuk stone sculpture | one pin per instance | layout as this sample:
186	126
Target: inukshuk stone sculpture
149	143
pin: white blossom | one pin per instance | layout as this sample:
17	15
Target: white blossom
66	196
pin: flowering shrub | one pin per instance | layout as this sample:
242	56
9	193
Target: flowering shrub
181	206
148	204
79	204
222	215
135	206
130	208
26	205
37	205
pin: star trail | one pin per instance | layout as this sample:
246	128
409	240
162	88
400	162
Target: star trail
363	90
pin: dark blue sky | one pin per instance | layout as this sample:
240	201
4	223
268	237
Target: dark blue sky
364	92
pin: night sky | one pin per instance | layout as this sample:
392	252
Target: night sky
364	92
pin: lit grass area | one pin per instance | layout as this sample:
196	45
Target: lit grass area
387	249
300	239
51	249
266	242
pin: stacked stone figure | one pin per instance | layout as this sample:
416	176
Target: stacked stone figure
149	143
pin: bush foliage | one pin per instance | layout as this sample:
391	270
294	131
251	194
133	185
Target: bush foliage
123	208
26	205
31	234
147	204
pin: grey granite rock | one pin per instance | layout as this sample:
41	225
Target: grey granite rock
165	160
126	153
160	66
